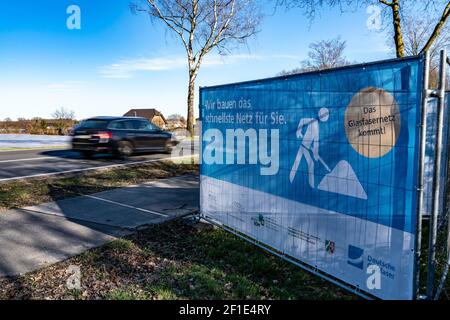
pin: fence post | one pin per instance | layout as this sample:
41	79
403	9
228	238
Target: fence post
420	186
448	217
437	176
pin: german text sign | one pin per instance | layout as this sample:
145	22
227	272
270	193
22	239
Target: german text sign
322	167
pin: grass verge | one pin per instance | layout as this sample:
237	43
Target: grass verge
23	193
33	148
174	260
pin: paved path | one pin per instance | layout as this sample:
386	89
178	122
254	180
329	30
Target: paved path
34	237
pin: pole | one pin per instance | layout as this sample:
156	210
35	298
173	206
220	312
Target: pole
318	158
448	219
324	164
436	178
420	202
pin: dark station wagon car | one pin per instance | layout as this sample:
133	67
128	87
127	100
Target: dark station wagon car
121	136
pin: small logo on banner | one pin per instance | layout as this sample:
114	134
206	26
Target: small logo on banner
330	246
355	257
259	221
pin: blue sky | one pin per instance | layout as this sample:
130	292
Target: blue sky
119	60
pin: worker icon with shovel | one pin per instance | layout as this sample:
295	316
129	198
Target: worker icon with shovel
309	145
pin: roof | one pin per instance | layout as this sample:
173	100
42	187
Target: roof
145	113
108	118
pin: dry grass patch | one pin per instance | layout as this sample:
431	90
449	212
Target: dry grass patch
32	192
175	260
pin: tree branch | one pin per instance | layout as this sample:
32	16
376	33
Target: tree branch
203	25
390	4
438	28
169	21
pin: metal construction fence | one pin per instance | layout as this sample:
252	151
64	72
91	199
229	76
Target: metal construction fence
335	171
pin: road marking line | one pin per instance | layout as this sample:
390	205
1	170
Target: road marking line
126	205
18	160
91	169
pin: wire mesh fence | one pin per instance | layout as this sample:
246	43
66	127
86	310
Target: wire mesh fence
441	282
321	167
342	172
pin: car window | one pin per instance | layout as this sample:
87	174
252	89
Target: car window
118	125
144	125
140	124
129	125
151	127
93	124
122	125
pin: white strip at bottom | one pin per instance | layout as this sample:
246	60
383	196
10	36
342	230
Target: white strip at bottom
337	244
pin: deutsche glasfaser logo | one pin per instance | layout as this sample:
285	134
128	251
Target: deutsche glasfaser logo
374	271
355	257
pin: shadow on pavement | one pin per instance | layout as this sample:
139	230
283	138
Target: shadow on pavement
70	154
103	157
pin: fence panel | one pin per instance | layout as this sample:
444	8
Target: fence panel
441	283
321	167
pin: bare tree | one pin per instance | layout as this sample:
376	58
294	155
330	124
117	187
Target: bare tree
204	25
63	114
322	55
416	32
392	14
325	54
64	117
176	117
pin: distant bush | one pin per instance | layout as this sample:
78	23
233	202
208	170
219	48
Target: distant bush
37	126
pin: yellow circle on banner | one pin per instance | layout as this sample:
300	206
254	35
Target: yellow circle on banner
372	122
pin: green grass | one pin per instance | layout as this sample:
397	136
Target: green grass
34	148
159	292
75	293
120	245
175	260
129	294
192	160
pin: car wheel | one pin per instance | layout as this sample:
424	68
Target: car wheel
124	149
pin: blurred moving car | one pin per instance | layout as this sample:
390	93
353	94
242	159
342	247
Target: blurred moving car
121	136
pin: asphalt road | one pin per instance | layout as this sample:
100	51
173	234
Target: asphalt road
32	163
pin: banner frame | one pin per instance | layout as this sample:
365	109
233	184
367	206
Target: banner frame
425	94
420	187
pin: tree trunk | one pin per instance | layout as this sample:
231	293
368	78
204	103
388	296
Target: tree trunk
398	37
190	114
190	103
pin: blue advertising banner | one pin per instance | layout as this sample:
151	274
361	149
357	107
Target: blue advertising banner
322	167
